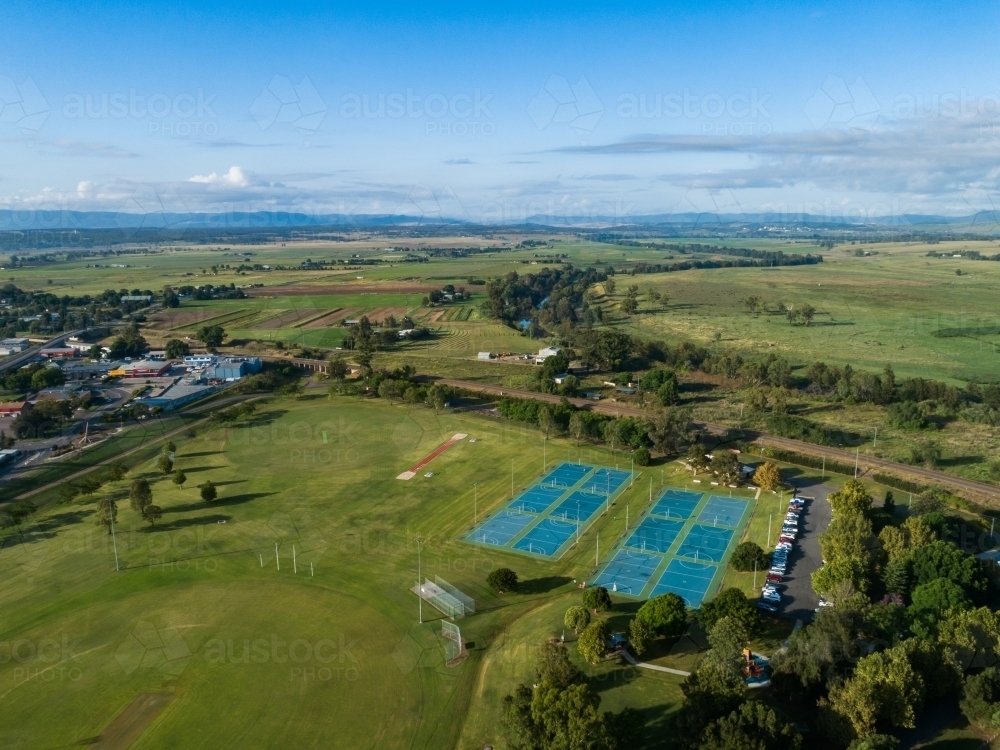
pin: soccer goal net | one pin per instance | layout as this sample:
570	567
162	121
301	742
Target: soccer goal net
454	644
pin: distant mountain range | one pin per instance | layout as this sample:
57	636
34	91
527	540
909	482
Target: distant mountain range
63	221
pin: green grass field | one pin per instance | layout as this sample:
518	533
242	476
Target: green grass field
336	658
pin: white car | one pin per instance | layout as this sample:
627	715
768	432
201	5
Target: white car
771	597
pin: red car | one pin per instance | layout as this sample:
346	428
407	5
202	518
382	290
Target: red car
774	578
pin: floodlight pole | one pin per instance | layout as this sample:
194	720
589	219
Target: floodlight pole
875	439
420	589
597	555
512	478
295	564
544	441
770	521
857	452
626	519
475	504
577	521
631	480
824	466
754	575
111	512
277	559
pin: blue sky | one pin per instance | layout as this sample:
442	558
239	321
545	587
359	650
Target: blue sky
575	111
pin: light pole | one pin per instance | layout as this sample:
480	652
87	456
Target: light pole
631	480
512	478
544	463
577	521
420	588
475	504
111	511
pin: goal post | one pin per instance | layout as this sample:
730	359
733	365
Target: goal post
454	644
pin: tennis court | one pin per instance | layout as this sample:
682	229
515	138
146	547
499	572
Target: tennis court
565	475
723	511
537	498
677	504
705	543
606	481
503	527
655	535
579	506
628	572
689	580
548	536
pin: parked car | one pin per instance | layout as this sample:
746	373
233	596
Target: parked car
775	578
767	606
772	597
786	538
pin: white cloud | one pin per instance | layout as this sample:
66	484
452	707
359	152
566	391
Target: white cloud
235	177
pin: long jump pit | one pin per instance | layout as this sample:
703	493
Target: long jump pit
412	472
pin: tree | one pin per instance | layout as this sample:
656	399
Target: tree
68	492
840	572
895	541
665	615
926	502
614	433
577	618
107	512
748	556
641	456
767	476
884	687
897	575
889	504
577	427
179	478
116	471
208	491
211	336
728	637
725	465
853	498
129	343
140	495
849	536
546	421
629	305
753	304
938	596
165	464
338	368
981	696
944	560
436	398
640	635
753	725
177	349
670	430
152	513
733	603
593	642
597	599
919	532
554	666
609	286
502	580
95	352
711	692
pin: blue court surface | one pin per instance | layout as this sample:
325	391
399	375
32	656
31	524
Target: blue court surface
546	537
655	535
500	529
689	580
677	504
579	506
628	572
723	511
705	543
565	475
537	499
606	481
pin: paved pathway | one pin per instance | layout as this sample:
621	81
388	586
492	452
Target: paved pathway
655	667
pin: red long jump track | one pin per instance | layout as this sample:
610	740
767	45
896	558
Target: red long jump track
431	456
